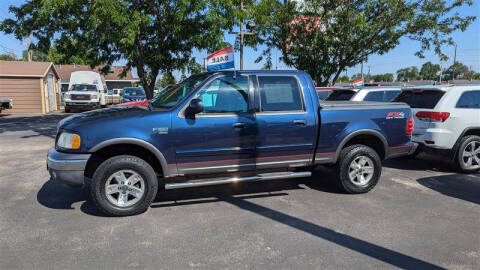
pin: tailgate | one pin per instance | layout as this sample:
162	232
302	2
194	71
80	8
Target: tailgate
423	100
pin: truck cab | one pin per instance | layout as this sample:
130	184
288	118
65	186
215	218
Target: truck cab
226	127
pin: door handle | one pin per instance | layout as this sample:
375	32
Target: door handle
300	123
238	125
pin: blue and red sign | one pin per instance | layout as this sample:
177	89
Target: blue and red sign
222	59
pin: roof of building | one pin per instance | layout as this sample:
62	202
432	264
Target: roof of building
25	69
65	71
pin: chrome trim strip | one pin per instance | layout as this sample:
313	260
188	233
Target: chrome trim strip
243	165
227	180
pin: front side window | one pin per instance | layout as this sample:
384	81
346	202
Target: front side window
469	100
226	95
279	93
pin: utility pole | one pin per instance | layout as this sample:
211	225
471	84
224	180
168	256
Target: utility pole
242	34
361	70
454	61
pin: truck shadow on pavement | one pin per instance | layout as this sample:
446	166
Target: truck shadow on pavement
461	186
424	162
43	125
54	195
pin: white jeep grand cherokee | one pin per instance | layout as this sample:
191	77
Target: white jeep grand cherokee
447	120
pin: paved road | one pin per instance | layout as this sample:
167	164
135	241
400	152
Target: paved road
422	215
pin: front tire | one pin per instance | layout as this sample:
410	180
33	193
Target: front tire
467	157
124	186
358	169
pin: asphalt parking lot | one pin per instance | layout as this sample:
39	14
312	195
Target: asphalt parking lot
422	215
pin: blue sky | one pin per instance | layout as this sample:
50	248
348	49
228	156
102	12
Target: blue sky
468	50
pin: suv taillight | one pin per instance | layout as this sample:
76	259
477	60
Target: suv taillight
436	116
410	125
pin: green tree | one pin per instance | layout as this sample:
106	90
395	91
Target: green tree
407	74
152	36
429	71
36	55
343	79
166	79
387	77
458	71
8	57
324	37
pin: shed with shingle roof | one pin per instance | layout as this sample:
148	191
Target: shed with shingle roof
33	86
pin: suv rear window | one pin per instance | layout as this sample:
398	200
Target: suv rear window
341	95
426	99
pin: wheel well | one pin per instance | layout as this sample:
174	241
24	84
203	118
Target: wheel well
121	149
369	140
472	132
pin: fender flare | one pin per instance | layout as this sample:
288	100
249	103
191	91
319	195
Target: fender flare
372	132
457	143
160	157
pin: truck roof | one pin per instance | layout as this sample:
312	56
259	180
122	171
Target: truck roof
231	72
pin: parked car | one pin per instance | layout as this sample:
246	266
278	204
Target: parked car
218	128
113	96
5	103
447	121
144	102
133	94
324	92
86	90
379	94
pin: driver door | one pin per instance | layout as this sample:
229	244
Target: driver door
222	137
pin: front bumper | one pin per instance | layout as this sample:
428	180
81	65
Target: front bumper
66	167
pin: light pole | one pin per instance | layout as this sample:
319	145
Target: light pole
242	34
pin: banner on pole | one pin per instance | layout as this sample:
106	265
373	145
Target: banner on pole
222	59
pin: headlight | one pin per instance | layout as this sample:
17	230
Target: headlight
66	96
93	96
68	141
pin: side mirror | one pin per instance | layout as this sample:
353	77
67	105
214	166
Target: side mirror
196	106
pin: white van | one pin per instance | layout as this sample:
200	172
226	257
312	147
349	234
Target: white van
86	90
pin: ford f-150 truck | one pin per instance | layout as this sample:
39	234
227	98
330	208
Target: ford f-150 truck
226	127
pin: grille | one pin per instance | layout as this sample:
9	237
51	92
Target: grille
80	97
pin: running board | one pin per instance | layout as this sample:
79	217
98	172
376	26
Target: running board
228	180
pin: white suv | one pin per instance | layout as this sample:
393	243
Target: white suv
447	119
380	94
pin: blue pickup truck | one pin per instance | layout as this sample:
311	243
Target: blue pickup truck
226	127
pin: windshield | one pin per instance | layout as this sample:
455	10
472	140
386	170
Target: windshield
133	91
341	95
170	97
84	87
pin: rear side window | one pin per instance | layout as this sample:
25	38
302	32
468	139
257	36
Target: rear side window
426	99
341	95
470	100
374	96
279	93
391	95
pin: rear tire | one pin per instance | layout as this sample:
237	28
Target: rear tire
124	186
468	151
358	169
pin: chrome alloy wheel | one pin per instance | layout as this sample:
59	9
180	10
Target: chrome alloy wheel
124	188
471	156
361	170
